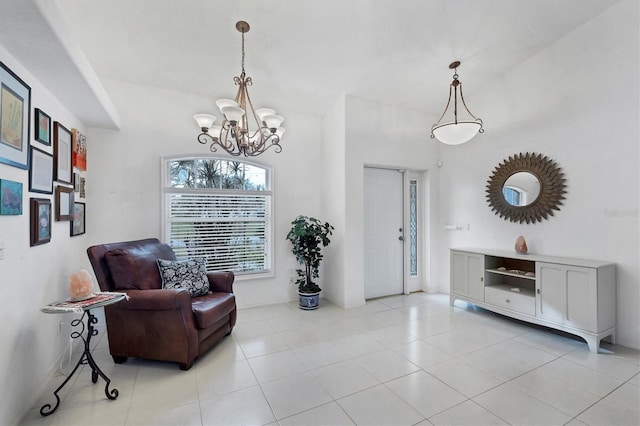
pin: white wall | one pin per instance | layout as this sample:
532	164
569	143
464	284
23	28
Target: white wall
333	266
31	277
124	194
576	102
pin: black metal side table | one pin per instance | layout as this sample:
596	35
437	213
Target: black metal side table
84	332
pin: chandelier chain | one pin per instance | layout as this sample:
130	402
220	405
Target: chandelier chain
243	53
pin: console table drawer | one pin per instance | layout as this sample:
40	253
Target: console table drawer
505	298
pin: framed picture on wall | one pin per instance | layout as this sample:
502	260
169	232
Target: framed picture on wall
10	197
78	221
79	155
40	221
42	127
41	171
62	153
15	107
64	203
83	187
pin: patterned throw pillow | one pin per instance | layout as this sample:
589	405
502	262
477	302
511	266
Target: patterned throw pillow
190	274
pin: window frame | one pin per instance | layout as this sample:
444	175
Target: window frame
514	190
165	189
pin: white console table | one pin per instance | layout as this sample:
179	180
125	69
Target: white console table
577	296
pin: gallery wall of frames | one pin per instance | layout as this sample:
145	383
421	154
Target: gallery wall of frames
53	155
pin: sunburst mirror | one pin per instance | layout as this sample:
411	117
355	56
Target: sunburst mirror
526	188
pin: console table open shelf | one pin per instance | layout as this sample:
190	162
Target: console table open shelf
520	274
577	296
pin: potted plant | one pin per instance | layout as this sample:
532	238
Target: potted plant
308	235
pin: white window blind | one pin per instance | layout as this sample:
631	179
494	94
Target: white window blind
231	228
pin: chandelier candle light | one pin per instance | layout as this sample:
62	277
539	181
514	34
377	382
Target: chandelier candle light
456	132
235	135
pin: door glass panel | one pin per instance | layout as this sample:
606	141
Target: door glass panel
413	228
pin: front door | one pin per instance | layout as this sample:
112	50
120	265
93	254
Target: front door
383	232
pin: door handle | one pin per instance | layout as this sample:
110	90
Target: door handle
401	238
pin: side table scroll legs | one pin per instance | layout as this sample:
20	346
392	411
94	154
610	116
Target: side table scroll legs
86	358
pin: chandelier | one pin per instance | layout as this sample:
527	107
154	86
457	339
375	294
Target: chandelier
457	131
244	130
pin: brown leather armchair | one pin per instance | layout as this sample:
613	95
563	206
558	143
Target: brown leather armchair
155	323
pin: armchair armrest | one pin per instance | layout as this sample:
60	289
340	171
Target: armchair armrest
221	281
156	300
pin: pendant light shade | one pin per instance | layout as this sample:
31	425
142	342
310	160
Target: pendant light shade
456	134
205	121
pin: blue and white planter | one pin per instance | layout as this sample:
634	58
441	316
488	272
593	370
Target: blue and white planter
309	301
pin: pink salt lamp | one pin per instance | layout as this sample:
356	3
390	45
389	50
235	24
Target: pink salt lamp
80	285
521	245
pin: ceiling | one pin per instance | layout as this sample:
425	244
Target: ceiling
304	54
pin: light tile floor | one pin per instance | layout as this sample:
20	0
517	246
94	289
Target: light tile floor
398	360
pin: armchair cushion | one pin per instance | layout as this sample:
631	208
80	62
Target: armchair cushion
190	274
211	308
134	267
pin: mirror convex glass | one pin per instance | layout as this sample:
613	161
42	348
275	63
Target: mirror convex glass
521	189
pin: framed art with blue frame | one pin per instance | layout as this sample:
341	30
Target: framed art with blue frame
15	107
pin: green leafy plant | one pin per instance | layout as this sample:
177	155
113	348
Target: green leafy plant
308	235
